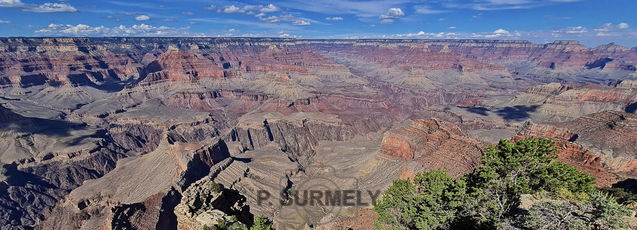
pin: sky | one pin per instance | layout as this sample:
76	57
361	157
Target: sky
592	22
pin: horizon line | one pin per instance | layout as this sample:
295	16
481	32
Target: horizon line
307	39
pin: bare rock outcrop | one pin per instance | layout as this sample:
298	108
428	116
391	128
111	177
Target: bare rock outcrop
206	204
571	152
297	134
557	102
611	135
102	133
434	145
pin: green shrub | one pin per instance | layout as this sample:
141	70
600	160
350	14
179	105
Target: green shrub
262	223
490	197
431	202
601	211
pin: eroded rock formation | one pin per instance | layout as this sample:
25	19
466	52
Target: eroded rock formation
434	145
100	133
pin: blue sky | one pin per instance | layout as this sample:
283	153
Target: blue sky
593	22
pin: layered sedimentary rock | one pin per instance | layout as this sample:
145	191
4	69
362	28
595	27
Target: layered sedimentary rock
572	153
102	61
116	132
149	181
558	102
611	135
434	145
600	143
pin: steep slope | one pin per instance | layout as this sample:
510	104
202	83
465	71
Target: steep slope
113	132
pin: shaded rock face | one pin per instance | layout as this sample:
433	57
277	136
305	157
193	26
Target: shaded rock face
119	132
434	145
297	138
138	202
137	138
7	115
31	192
139	215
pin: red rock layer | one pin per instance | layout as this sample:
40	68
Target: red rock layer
434	145
612	133
33	61
570	152
406	59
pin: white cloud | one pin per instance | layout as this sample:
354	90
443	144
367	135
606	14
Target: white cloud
334	18
247	9
126	31
452	27
363	9
572	30
142	18
497	34
420	34
262	12
270	8
301	22
287	35
232	9
605	28
501	31
297	21
259	24
608	27
486	5
5	22
52	8
427	10
620	30
11	3
603	34
579	33
387	21
393	13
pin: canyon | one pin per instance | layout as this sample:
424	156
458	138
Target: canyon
134	133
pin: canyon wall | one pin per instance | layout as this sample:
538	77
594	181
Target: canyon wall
130	132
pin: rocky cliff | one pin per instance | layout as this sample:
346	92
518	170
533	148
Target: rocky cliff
114	62
434	145
130	133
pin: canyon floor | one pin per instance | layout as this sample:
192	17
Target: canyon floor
129	133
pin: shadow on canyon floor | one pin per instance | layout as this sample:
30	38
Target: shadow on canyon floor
477	110
516	113
631	108
11	121
512	113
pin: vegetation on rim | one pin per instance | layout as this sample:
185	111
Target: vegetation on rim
517	186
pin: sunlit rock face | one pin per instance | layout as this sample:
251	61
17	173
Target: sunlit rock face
112	61
435	145
101	133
